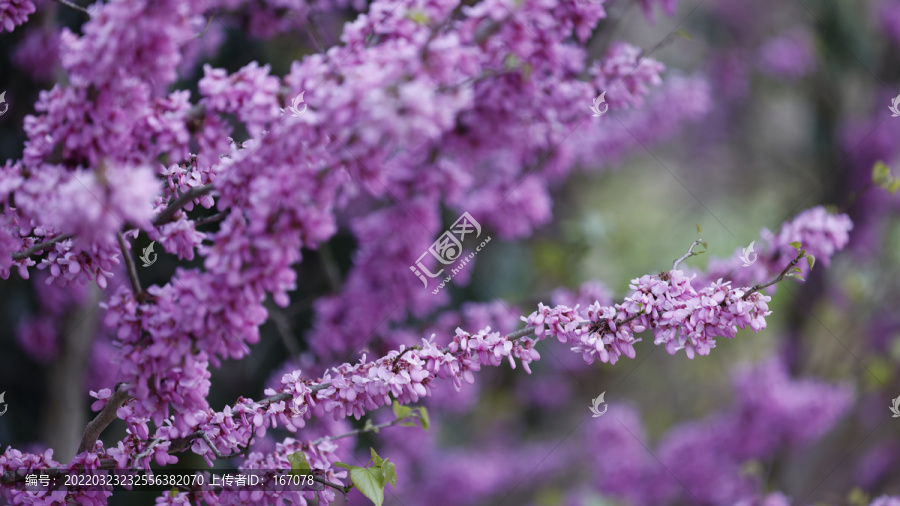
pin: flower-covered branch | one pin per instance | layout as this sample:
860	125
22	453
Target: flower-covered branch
680	316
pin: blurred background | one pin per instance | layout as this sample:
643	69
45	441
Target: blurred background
798	116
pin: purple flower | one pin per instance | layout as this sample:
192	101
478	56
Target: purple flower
789	56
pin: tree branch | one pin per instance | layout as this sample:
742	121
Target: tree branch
78	8
164	217
40	247
210	219
103	418
147	451
129	263
355	432
343	489
690	253
219	454
169	212
800	255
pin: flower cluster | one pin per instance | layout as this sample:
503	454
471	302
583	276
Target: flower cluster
14	12
680	316
819	232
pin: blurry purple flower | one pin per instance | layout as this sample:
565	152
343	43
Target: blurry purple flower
789	56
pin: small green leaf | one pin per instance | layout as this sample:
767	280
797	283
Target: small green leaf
511	61
370	427
795	244
173	492
699	230
418	17
298	462
389	471
811	260
401	411
408	423
345	466
893	186
375	458
800	278
370	482
423	418
681	32
881	173
797	270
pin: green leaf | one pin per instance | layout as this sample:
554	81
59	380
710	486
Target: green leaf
173	492
881	173
408	423
795	244
811	260
370	427
797	270
389	472
345	466
511	61
893	186
681	32
375	458
401	411
370	482
418	17
423	418
298	462
699	230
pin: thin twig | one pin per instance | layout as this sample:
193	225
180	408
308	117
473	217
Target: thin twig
800	254
208	21
103	418
397	359
78	8
129	262
373	428
219	454
40	247
521	333
343	489
283	327
210	219
141	456
690	253
182	200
